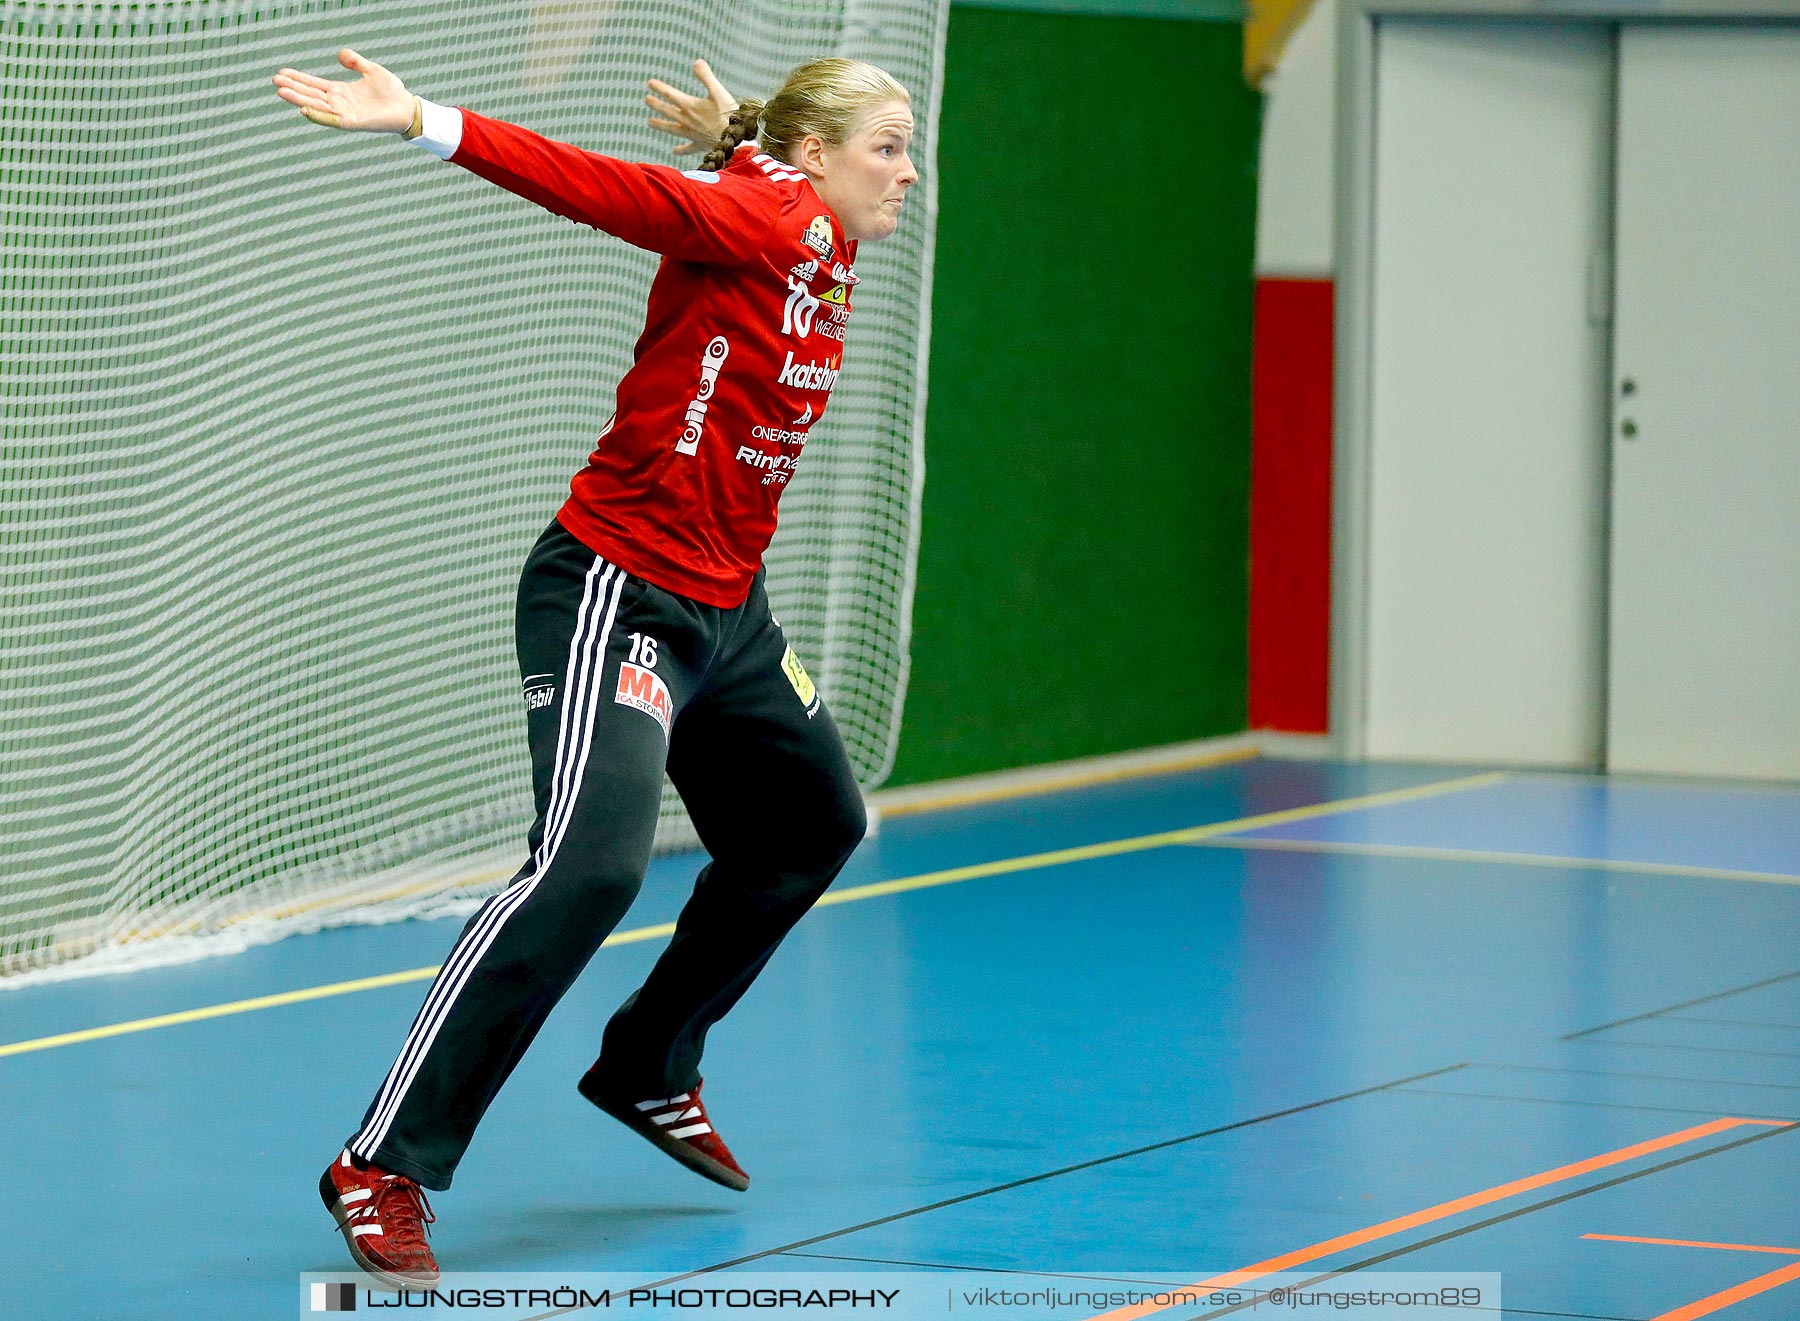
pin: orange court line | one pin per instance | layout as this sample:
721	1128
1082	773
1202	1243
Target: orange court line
1726	1297
1443	1210
1691	1243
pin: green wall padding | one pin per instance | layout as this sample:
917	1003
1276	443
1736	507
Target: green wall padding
1192	11
1083	567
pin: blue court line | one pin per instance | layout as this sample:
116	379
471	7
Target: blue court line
1481	855
1684	1004
1642	1077
1595	1105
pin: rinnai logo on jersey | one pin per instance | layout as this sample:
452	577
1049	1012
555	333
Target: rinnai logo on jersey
710	362
643	690
777	468
809	375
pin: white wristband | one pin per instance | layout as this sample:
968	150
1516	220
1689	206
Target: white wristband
443	129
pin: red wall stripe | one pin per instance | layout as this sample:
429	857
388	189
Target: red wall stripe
1290	506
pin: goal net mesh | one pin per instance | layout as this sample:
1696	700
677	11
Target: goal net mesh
284	409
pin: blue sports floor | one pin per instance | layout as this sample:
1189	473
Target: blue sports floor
1264	1016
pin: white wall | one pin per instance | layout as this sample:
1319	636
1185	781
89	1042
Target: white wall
1294	204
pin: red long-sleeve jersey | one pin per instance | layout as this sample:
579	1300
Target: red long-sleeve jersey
742	343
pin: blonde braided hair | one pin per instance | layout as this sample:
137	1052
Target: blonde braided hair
827	98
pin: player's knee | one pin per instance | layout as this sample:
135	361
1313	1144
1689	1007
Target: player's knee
855	825
605	892
837	833
818	842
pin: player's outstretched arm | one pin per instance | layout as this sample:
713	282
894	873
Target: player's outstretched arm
377	102
697	120
652	206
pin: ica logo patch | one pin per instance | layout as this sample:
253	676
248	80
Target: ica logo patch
802	681
643	690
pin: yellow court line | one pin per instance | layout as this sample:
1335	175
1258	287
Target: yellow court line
1139	843
1516	859
1002	867
911	807
1030	788
283	998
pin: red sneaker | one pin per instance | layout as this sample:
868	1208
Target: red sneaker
676	1124
383	1218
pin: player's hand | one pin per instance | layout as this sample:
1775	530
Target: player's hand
377	102
698	120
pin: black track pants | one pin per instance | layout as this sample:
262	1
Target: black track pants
623	679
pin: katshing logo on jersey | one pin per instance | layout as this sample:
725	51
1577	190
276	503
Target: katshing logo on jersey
818	237
643	690
844	274
809	375
695	422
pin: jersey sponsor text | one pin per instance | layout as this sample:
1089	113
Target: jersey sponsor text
643	690
809	375
540	691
